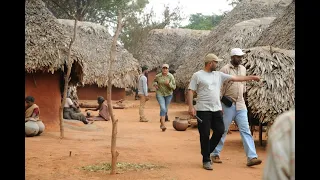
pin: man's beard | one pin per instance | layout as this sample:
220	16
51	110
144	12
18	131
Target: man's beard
236	63
212	69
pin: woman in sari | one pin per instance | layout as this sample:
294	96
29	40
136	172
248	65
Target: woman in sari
103	111
32	111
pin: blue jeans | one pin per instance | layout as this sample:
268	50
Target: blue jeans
241	118
164	102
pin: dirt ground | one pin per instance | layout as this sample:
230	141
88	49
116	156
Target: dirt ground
47	156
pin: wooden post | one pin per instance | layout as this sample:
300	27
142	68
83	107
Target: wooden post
113	52
66	80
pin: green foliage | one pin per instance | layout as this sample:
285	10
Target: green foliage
203	22
99	11
234	2
138	25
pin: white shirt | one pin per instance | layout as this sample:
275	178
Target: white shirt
207	86
68	102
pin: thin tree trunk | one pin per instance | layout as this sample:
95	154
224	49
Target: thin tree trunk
66	80
113	52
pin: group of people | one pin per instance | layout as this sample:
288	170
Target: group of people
211	86
71	110
220	100
164	84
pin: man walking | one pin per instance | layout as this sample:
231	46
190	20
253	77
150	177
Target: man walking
143	92
237	111
207	84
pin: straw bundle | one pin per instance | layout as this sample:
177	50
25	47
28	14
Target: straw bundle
275	93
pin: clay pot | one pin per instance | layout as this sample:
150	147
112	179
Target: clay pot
31	128
41	127
180	124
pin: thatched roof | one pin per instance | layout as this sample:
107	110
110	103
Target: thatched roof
243	34
275	93
46	43
281	32
246	10
170	46
94	42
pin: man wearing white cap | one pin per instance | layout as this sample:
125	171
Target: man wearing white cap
236	110
207	84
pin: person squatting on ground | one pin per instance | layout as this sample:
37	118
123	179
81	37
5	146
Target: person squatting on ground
71	110
103	111
164	83
280	162
237	111
207	84
143	92
32	111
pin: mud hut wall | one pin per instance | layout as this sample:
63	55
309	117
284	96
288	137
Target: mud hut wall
91	92
151	75
178	95
45	88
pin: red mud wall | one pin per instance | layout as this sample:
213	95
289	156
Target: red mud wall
45	88
91	92
151	75
178	95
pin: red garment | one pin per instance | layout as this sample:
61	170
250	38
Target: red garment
36	111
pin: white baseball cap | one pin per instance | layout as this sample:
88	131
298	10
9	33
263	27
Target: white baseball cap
165	65
236	52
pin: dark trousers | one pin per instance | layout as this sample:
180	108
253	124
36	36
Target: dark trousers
214	121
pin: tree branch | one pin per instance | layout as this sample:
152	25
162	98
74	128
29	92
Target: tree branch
70	16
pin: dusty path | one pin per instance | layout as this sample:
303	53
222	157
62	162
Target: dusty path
47	157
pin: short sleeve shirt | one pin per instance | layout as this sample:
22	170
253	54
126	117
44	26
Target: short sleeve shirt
207	85
68	102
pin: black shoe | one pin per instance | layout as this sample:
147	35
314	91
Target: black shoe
207	165
166	119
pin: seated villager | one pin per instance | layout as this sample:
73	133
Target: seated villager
32	111
103	111
71	110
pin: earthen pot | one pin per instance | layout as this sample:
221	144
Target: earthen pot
179	124
41	127
31	128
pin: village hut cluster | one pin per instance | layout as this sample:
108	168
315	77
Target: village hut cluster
169	46
94	41
265	30
47	39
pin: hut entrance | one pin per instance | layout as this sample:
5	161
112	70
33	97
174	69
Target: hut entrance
76	76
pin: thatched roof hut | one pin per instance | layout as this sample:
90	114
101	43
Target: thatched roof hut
170	46
46	43
275	93
260	12
243	34
94	42
281	32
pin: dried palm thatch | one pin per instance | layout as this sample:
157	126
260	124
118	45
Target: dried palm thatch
94	42
46	43
170	46
275	93
243	34
246	10
281	32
